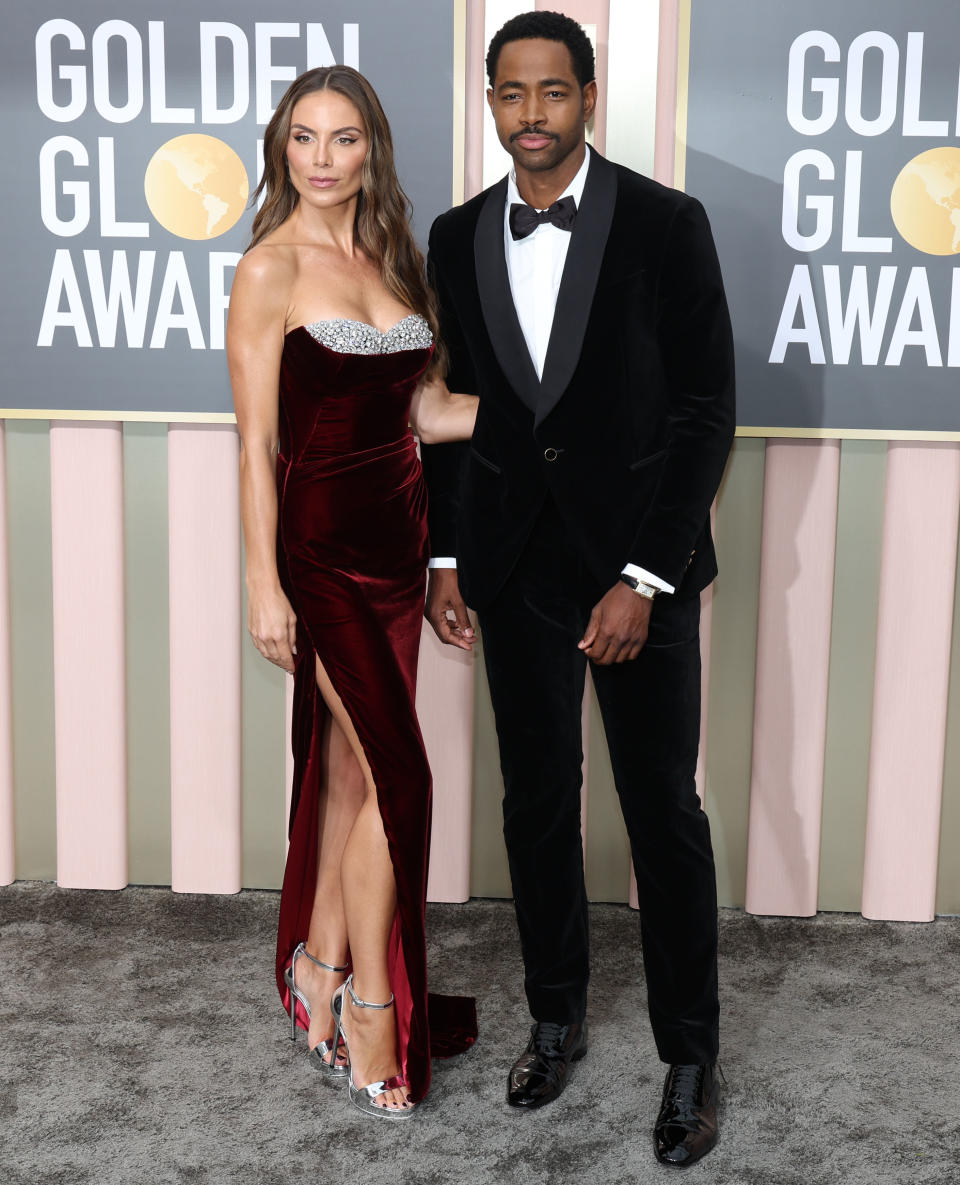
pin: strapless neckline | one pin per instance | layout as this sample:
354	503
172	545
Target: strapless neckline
364	324
344	335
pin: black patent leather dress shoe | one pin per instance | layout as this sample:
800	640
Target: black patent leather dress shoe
686	1128
540	1073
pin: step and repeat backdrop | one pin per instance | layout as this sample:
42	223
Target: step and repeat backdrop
823	139
138	142
143	740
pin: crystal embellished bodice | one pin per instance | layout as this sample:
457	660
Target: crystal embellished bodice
345	387
357	337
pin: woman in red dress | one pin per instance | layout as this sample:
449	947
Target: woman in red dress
333	352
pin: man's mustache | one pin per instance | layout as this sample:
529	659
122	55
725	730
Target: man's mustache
533	132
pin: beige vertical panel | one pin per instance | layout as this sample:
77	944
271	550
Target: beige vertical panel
853	640
205	696
607	847
7	845
489	874
910	693
632	83
265	740
86	494
733	665
31	648
148	652
793	657
948	873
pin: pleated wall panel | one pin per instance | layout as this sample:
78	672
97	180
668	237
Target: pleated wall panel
445	709
205	687
910	697
31	648
853	633
148	652
733	665
793	653
86	491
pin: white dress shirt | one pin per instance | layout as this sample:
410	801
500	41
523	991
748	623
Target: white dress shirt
535	269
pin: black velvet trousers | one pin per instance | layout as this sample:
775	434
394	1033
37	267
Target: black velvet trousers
651	717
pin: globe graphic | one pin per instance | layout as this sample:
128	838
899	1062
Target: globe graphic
925	202
196	186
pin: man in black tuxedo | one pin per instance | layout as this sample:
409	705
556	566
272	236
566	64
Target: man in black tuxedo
583	303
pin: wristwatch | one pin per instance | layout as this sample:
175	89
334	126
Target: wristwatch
640	587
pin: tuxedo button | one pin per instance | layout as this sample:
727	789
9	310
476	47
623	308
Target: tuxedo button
550	454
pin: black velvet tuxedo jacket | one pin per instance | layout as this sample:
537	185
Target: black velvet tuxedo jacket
630	427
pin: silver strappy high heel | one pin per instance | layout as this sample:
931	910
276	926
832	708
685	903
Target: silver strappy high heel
364	1096
323	1057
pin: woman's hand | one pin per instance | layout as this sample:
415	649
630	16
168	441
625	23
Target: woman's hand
273	626
437	415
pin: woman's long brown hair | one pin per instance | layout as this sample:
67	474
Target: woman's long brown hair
382	226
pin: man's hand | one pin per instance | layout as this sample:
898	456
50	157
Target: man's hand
618	626
446	611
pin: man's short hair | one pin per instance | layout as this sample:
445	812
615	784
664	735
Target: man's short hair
551	26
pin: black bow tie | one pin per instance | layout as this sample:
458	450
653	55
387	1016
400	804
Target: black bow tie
524	219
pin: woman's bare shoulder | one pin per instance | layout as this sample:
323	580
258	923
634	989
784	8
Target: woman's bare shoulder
269	262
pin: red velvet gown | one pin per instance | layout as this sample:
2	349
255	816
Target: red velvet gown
352	554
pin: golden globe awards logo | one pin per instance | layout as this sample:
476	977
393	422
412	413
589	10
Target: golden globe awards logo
117	77
875	313
925	202
196	186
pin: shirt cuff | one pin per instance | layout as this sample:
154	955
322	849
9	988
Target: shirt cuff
446	561
645	576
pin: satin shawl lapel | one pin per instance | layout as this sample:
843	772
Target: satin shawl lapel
579	282
496	299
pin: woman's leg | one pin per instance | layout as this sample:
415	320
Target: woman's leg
341	797
369	896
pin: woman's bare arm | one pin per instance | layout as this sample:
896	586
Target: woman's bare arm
438	415
255	333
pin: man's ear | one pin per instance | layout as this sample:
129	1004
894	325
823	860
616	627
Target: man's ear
589	99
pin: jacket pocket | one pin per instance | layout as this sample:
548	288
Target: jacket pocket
648	460
483	461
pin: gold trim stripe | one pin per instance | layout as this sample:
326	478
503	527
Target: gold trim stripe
845	433
139	417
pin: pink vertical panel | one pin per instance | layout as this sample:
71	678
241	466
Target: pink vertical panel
591	12
917	577
445	710
86	505
475	83
205	642
801	487
7	871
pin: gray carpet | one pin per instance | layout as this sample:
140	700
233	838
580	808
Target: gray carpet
143	1042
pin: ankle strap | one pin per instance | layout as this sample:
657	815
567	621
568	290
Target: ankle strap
302	949
358	1003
